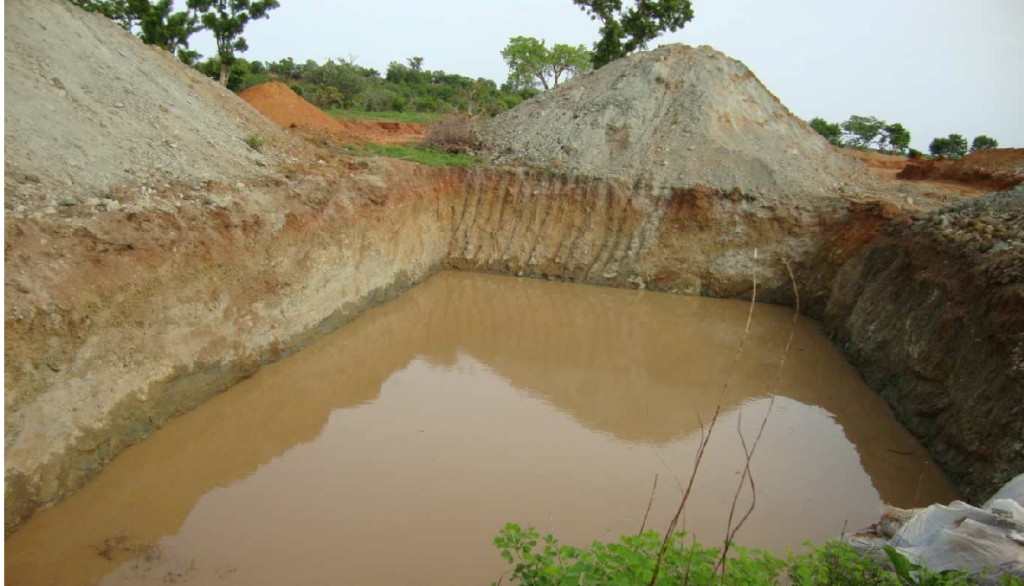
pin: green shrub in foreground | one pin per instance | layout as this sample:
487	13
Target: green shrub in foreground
631	561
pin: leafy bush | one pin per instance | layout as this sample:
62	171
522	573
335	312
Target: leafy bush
378	99
953	146
425	104
894	139
915	154
631	561
454	134
860	132
326	97
255	142
832	132
983	142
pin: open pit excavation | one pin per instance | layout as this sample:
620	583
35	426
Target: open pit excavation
155	260
478	397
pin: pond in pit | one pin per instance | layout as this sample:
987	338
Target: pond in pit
392	451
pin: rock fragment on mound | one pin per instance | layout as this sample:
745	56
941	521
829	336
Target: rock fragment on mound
673	117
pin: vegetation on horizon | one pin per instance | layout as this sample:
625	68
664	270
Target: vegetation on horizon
343	85
954	146
983	142
865	132
531	63
870	133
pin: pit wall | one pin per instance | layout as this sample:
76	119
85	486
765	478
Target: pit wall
116	322
123	320
939	333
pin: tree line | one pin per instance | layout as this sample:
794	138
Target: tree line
870	133
624	29
403	87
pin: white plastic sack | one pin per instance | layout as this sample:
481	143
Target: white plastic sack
958	536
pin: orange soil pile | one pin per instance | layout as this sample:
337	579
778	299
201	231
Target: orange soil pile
285	107
281	104
994	169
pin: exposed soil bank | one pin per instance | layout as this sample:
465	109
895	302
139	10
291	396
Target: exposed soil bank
932	313
989	168
117	322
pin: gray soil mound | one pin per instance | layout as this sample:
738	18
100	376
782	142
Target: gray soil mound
673	117
89	107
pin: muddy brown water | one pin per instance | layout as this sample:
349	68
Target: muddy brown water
391	451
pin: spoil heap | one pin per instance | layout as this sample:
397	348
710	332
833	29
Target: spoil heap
675	117
96	109
281	104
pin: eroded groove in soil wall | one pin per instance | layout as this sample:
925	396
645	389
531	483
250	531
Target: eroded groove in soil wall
696	241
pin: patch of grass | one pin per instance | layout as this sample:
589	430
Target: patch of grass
255	142
409	117
422	155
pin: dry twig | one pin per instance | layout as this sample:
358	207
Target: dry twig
649	503
706	437
730	533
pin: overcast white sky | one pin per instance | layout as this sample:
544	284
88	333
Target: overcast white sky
937	66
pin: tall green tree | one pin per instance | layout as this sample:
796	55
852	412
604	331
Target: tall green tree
983	142
156	23
953	146
626	29
862	131
531	63
831	131
227	19
568	60
894	139
415	63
